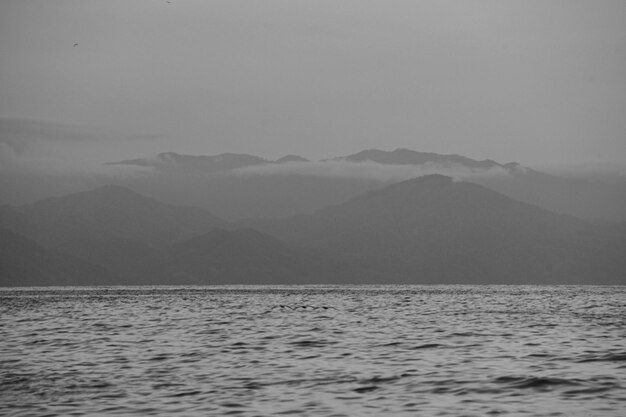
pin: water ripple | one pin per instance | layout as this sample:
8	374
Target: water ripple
313	350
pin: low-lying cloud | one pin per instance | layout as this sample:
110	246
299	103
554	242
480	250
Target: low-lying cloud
187	166
366	170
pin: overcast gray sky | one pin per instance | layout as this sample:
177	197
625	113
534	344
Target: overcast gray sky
532	81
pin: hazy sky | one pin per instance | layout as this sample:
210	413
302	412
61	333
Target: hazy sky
531	81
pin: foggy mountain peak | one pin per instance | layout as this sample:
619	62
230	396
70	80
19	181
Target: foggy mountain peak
232	161
403	156
437	193
250	186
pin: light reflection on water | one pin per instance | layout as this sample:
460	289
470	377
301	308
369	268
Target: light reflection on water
320	350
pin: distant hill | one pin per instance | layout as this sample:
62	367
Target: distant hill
236	197
25	263
431	229
111	226
243	256
582	198
435	230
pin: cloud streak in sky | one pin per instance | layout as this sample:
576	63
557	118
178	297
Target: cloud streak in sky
24	134
40	145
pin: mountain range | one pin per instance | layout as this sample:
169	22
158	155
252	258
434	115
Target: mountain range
434	230
410	157
204	163
111	227
239	186
23	262
431	229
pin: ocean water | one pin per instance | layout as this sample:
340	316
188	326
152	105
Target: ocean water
317	351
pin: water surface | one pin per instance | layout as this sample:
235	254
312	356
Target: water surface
320	350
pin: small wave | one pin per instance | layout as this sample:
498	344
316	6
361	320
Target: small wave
540	355
312	343
231	405
427	346
160	357
391	344
441	346
608	357
590	390
379	379
362	390
184	394
166	385
303	307
534	382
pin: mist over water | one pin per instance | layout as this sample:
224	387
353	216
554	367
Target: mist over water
315	350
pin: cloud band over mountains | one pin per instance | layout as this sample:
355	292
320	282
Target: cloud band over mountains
391	168
367	170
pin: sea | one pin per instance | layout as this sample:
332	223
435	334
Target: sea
313	351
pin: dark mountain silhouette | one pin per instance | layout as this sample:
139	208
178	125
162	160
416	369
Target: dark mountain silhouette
111	226
426	230
243	256
409	157
435	230
172	161
25	263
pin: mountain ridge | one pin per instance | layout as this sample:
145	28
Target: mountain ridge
403	156
237	256
110	226
265	188
431	229
23	262
438	229
231	161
